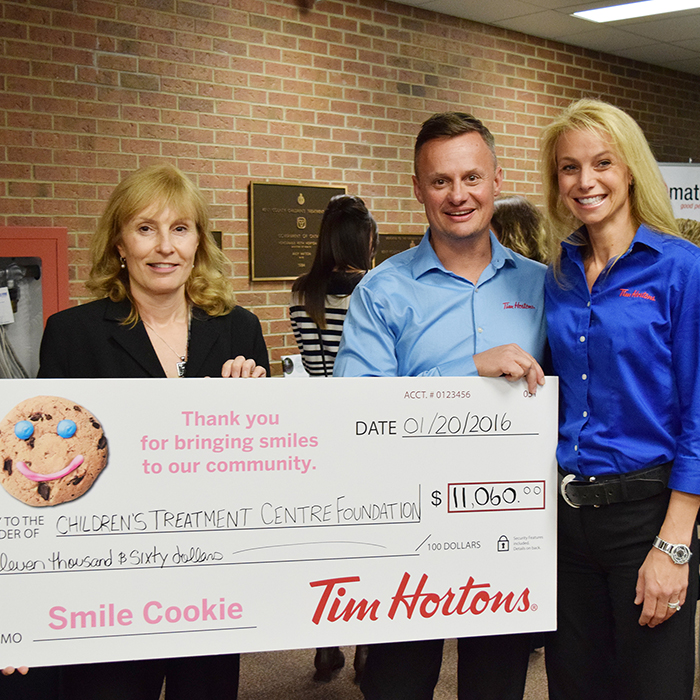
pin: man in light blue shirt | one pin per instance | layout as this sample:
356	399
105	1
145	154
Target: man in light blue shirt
459	304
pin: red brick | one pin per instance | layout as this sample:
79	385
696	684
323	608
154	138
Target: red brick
56	141
29	86
140	146
106	10
179	118
26	15
136	81
75	124
157	132
192	104
75	91
177	149
54	207
216	92
196	135
14	66
208	58
96	109
74	190
216	152
117	95
158	100
28	154
29	120
16	206
47	36
193	165
80	158
29	189
18	171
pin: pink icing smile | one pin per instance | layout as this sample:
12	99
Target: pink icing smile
26	471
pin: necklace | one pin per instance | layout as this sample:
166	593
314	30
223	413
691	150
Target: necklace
182	364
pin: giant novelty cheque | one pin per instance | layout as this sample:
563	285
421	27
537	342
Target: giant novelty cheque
223	516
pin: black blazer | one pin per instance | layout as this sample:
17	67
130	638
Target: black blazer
89	341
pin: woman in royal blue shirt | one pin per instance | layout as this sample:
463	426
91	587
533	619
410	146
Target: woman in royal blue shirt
624	330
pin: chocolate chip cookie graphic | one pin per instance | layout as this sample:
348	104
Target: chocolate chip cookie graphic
51	451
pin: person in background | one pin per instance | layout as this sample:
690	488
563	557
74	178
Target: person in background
437	310
165	309
346	245
345	249
518	225
624	331
689	229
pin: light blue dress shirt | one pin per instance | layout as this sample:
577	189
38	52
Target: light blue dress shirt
412	317
628	358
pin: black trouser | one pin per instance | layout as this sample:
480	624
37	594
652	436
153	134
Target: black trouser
190	678
489	668
599	651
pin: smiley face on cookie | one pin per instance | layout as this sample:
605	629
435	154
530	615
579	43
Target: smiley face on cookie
51	451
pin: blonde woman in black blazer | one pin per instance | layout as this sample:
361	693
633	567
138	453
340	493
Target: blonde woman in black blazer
165	309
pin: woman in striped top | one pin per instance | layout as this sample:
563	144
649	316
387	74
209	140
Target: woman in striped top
346	246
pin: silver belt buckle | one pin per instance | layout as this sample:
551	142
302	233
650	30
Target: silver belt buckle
562	489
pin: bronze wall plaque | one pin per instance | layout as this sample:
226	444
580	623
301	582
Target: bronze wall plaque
284	224
392	243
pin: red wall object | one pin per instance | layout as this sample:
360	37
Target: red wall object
51	245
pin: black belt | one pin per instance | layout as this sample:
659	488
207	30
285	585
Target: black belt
620	488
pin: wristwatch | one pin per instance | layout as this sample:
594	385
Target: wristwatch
679	553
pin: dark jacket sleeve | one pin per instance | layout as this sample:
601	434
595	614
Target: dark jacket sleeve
52	354
260	349
247	338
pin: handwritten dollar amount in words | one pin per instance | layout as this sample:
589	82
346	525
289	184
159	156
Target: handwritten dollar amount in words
501	495
454	426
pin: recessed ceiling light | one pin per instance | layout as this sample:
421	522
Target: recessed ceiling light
631	10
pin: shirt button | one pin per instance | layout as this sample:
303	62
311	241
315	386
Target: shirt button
583	338
585	414
575	448
481	330
588	304
584	376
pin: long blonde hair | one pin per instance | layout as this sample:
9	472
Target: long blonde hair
649	200
207	286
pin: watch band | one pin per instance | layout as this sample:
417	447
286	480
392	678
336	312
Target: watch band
679	553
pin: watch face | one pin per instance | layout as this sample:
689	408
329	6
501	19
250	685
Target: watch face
680	554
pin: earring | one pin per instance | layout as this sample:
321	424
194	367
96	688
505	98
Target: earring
122	263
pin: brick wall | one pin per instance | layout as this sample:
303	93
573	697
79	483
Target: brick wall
239	90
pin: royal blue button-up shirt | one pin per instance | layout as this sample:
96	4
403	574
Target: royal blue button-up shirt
411	316
628	357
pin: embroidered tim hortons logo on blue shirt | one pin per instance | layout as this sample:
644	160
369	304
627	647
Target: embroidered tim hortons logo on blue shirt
517	305
637	294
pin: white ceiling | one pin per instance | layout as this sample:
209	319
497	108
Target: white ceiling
671	40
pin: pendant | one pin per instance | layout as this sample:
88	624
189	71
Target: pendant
181	369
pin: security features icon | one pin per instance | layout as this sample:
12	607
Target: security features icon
503	545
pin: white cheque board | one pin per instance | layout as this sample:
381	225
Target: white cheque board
252	515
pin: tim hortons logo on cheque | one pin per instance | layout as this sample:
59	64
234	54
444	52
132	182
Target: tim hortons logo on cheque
414	600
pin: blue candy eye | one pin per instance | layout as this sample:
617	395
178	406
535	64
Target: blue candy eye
66	428
24	429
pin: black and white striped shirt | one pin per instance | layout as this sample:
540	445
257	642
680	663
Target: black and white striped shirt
319	347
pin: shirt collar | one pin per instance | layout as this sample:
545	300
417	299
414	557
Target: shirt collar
644	236
426	259
648	237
